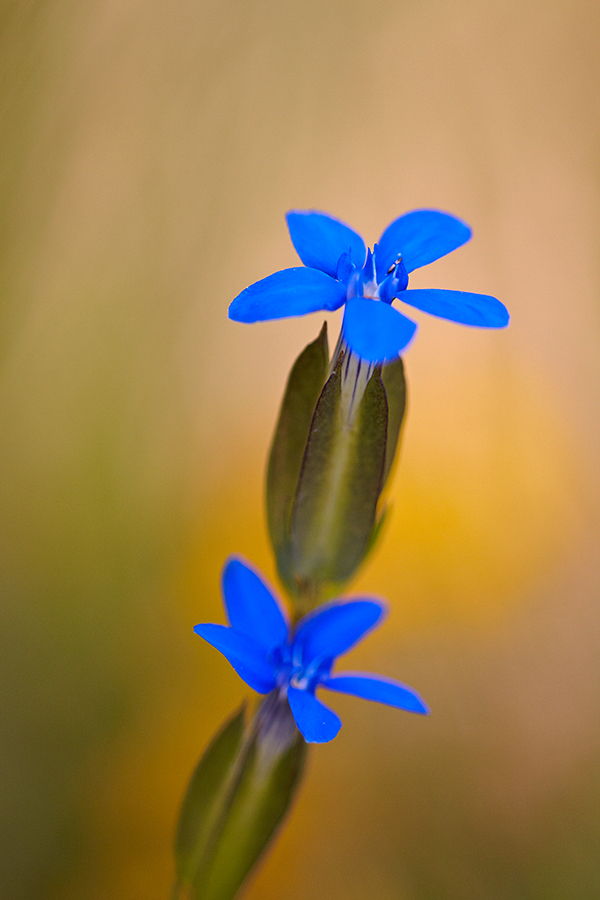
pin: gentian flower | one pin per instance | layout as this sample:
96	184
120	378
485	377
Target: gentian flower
338	269
269	655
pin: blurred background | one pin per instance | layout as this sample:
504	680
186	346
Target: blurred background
149	152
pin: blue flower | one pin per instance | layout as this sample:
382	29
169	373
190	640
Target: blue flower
269	655
338	269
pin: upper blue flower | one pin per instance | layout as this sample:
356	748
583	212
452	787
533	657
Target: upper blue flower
267	654
338	269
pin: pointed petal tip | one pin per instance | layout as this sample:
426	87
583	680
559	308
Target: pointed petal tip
232	311
317	723
335	627
379	689
463	307
289	292
502	315
233	559
245	655
252	607
421	236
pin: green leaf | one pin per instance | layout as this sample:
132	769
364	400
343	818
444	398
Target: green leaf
305	383
335	505
394	382
254	791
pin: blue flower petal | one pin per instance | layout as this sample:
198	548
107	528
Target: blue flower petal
375	687
251	607
344	268
459	306
368	271
335	627
291	292
245	655
321	239
420	237
316	721
374	330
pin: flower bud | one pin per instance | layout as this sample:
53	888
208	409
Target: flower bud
238	795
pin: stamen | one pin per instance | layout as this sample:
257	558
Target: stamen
394	264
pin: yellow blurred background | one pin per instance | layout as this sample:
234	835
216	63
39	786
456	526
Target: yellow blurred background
149	152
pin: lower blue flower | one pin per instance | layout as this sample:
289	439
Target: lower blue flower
269	655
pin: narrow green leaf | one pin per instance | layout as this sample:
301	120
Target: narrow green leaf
340	482
206	795
251	801
394	382
304	385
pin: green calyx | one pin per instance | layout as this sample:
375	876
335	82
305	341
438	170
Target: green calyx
332	452
237	797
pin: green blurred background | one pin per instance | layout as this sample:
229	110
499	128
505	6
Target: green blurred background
148	154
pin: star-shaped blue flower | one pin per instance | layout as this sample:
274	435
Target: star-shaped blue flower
338	269
268	655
